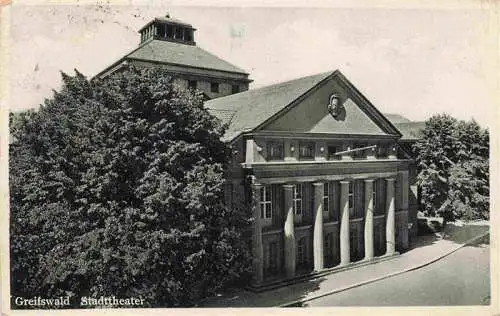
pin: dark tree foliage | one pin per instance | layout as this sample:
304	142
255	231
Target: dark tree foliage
453	163
117	189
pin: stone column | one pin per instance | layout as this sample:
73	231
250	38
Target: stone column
318	226
289	232
257	246
345	251
390	226
289	154
250	151
368	219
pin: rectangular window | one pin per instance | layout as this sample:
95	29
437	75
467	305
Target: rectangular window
327	244
326	199
170	31
374	194
297	199
179	32
214	87
353	236
377	238
265	202
359	154
382	151
381	189
331	153
188	35
396	235
328	250
306	150
273	257
275	150
351	198
301	252
235	88
192	84
161	30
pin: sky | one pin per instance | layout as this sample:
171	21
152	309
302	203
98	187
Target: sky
411	61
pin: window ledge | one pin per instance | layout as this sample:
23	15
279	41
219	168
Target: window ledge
303	227
288	161
331	223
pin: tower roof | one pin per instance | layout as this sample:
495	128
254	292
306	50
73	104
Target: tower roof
178	54
170	42
167	20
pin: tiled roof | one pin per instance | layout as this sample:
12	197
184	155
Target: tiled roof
251	108
224	115
396	118
181	54
410	130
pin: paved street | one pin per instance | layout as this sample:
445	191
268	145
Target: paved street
461	278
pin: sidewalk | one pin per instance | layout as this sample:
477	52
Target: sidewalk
425	250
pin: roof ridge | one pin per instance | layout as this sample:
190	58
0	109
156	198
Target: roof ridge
294	80
227	110
121	59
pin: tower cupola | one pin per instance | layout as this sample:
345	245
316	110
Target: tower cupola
168	29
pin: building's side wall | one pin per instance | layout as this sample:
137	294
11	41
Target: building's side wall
204	84
203	77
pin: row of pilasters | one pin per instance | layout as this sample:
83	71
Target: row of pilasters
289	231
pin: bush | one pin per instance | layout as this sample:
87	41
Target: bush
453	163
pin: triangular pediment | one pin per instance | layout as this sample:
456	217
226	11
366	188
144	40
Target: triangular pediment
310	113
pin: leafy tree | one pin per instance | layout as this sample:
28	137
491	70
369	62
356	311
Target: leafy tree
117	189
452	158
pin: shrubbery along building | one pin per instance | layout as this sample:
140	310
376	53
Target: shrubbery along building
328	178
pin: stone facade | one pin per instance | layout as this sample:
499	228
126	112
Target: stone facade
345	211
321	199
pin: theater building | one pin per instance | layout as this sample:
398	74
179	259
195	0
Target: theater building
327	177
323	172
